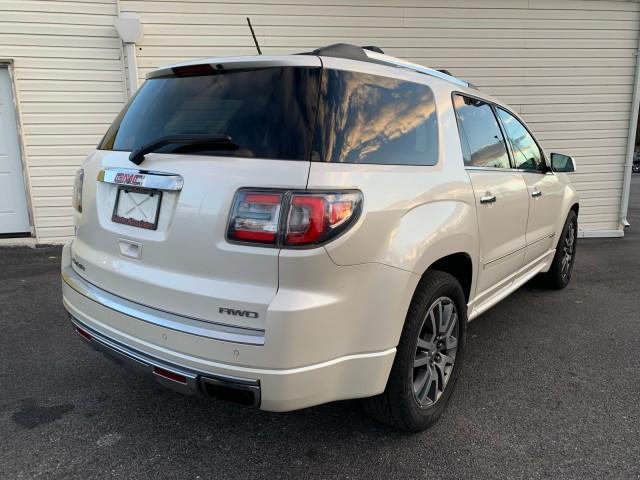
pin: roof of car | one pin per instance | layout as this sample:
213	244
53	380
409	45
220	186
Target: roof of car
370	54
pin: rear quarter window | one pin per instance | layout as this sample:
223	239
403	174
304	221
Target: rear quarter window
372	119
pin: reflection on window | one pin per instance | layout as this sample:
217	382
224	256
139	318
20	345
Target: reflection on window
526	154
480	136
372	119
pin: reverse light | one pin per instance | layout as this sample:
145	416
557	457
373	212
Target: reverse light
291	218
76	199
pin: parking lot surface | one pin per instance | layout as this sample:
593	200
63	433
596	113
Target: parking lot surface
550	389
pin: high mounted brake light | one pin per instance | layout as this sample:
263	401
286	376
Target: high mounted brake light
290	218
193	70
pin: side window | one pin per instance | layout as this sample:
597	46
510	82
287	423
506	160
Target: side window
482	142
372	119
526	154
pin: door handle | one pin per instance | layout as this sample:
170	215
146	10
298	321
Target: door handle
536	193
488	199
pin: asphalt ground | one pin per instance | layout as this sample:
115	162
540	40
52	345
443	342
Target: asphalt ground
550	389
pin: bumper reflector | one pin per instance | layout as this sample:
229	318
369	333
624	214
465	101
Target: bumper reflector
83	334
176	377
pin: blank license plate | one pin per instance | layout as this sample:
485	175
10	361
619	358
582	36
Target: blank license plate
137	207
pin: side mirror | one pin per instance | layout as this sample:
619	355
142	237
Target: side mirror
562	163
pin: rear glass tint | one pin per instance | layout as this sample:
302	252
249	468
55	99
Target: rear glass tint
373	119
268	113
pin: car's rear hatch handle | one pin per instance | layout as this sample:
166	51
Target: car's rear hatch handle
141	178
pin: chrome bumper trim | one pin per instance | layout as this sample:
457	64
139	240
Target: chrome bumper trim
172	321
144	363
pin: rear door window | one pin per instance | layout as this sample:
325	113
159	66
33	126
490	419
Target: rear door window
268	113
482	142
525	151
372	119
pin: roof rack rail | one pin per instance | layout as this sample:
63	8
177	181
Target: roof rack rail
373	48
376	55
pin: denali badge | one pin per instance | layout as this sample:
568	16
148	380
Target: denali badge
78	264
134	179
238	313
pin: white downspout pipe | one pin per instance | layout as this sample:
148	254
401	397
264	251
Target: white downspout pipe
132	67
631	142
129	28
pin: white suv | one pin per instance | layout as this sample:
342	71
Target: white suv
284	231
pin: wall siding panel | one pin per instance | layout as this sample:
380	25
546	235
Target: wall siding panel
566	66
68	75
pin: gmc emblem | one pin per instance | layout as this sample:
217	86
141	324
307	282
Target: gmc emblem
238	313
134	179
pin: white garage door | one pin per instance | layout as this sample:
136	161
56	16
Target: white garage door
13	200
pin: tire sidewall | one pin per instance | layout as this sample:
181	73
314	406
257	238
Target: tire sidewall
421	416
572	218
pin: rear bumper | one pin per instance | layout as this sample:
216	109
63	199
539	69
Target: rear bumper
118	328
180	379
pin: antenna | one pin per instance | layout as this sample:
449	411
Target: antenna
253	34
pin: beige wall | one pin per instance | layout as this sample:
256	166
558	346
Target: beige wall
567	66
68	76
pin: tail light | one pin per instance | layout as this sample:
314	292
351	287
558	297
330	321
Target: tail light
291	218
76	199
255	217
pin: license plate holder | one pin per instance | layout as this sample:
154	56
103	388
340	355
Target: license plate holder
137	207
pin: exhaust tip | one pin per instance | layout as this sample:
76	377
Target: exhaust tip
232	392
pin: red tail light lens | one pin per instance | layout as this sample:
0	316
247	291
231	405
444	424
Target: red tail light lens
255	217
309	218
306	222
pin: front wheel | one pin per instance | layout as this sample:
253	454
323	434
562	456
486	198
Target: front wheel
561	269
428	357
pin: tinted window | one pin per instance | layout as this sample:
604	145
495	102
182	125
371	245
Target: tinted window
525	151
372	119
268	113
480	136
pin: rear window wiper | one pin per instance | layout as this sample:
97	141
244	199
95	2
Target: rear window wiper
224	141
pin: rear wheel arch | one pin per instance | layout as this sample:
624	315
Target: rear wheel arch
460	266
575	207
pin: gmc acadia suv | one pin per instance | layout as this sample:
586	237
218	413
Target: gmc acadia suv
284	231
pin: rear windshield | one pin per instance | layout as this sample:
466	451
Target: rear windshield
268	113
288	113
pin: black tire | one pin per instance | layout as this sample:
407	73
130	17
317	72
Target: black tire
559	277
399	405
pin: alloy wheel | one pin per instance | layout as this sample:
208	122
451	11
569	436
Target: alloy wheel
436	350
568	251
